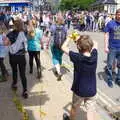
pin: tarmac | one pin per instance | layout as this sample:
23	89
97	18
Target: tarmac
48	98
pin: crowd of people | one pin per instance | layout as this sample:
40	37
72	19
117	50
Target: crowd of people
30	32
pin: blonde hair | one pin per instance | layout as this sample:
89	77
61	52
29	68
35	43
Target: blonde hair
3	28
31	29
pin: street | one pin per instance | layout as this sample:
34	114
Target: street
109	97
51	89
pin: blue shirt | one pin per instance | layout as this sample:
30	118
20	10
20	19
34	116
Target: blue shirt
34	43
84	82
113	28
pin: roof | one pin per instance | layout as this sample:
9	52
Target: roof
98	2
109	2
14	1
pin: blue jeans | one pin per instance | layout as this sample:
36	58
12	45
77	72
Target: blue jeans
114	54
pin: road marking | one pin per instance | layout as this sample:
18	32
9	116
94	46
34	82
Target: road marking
105	96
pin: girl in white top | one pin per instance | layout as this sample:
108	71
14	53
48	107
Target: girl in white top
3	51
45	42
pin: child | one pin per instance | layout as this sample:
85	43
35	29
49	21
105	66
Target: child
45	42
84	83
3	51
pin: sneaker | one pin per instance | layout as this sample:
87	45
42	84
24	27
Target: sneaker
31	71
25	94
110	84
55	73
39	75
59	77
117	82
14	87
66	117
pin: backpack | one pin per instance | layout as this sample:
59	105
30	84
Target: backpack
59	36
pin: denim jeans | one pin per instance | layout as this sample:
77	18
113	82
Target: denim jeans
114	54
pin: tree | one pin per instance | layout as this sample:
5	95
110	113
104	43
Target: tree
70	4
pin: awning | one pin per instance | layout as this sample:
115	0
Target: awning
14	1
102	2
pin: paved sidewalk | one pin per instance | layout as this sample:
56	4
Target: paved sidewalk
48	98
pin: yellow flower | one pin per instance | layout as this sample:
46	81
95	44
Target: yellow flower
74	35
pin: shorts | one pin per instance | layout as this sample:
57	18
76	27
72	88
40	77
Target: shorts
56	55
86	103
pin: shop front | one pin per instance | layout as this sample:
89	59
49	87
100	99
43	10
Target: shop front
15	5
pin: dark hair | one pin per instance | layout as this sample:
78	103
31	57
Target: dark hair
47	33
118	11
19	25
84	43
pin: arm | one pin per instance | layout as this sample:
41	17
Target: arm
1	41
95	45
106	39
4	41
65	47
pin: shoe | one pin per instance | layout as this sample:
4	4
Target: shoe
110	84
25	94
55	73
66	117
14	87
39	75
59	77
31	71
117	82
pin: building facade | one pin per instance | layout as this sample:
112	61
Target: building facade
110	6
14	5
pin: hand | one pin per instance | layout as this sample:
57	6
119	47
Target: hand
6	42
95	44
106	50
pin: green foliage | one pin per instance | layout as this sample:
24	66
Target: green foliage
75	4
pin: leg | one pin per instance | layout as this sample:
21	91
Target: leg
38	63
22	69
76	103
110	59
90	108
118	66
31	61
3	69
55	59
13	64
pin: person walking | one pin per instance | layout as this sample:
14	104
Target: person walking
34	46
17	50
84	81
59	33
3	51
45	42
112	48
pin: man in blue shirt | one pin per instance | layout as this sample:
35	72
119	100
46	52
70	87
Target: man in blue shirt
112	47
